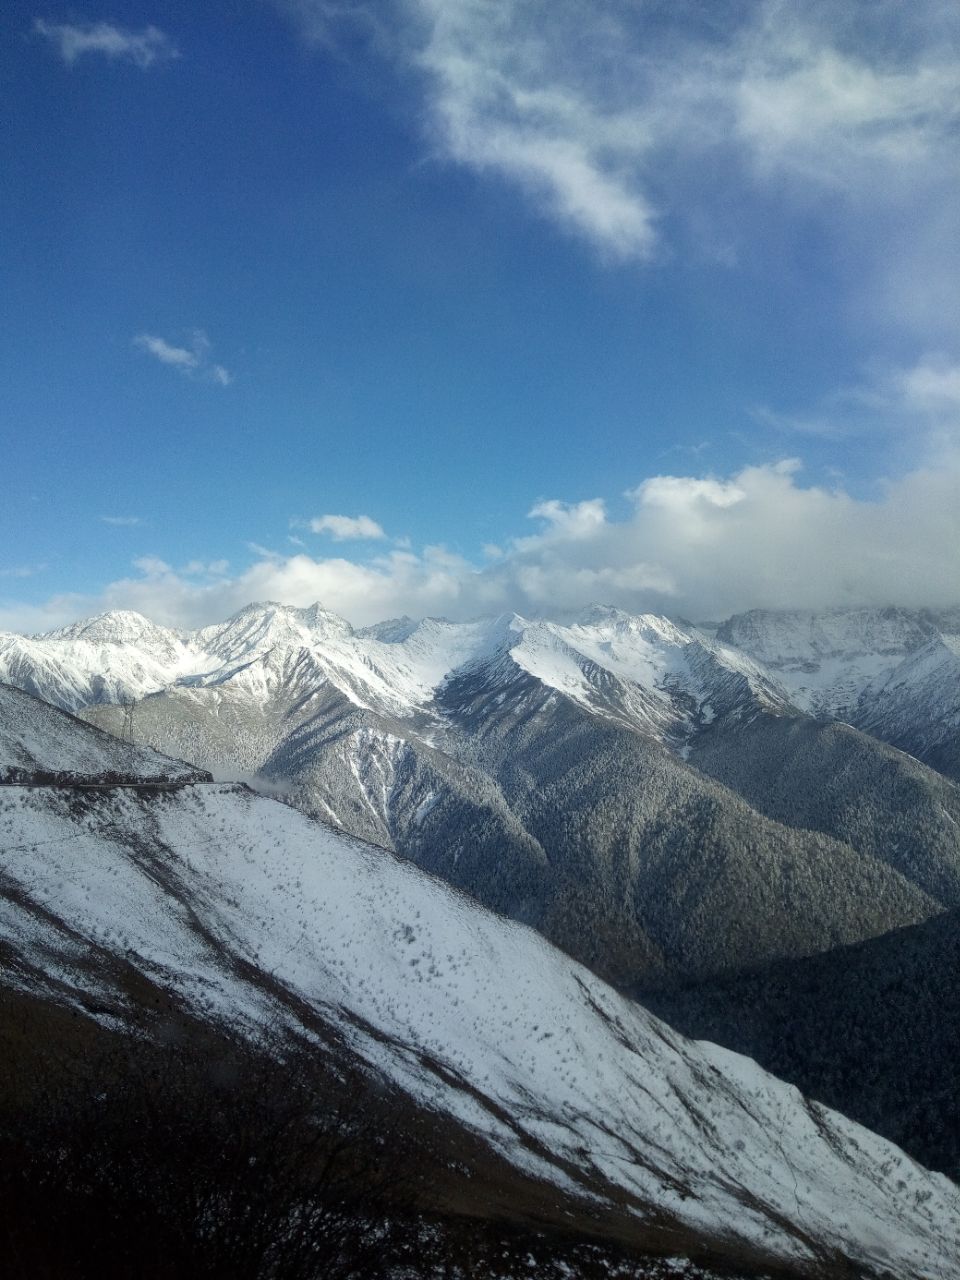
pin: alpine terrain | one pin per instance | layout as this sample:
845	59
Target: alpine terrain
136	898
663	801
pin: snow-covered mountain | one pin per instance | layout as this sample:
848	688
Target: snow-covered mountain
892	672
916	706
644	670
543	768
250	915
885	670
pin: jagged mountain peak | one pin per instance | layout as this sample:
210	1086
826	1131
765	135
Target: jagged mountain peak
607	619
274	612
394	668
267	624
391	630
116	626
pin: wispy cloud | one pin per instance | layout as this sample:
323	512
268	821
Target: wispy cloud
639	128
179	357
192	360
507	98
323	22
22	571
73	41
347	528
122	522
590	107
921	400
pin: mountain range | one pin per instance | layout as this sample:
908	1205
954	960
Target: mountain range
144	895
666	802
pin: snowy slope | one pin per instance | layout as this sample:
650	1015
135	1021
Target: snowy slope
826	660
207	889
917	704
32	742
894	673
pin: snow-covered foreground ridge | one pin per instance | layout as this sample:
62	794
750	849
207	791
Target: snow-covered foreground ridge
248	911
33	744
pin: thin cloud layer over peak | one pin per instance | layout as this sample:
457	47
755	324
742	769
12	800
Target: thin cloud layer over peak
73	41
697	547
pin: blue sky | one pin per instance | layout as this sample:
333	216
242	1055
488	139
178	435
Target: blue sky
452	307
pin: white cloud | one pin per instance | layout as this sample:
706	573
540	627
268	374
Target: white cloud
29	619
265	553
799	102
505	98
918	402
142	48
178	357
152	566
648	129
122	521
205	568
193	360
347	528
571	520
932	386
691	546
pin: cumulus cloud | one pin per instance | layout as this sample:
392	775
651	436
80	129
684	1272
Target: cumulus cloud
347	528
691	546
192	361
73	41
